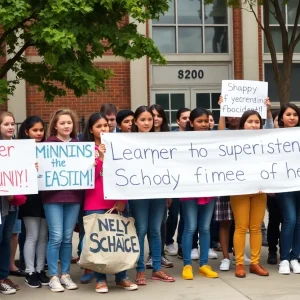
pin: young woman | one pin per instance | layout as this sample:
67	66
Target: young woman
8	215
61	208
94	202
197	214
211	120
275	114
148	213
289	204
248	211
32	213
124	120
182	118
161	125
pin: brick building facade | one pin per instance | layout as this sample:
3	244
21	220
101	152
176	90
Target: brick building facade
202	44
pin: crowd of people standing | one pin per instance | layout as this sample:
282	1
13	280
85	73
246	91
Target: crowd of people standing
46	221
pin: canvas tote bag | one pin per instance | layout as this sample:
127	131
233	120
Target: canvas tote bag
110	244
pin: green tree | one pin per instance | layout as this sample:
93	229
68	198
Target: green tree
274	10
68	35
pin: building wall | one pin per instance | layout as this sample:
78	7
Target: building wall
117	92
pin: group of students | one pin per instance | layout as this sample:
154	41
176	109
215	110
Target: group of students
51	216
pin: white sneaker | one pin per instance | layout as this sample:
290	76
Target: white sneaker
284	267
295	266
55	285
225	264
246	260
212	254
171	250
67	282
194	254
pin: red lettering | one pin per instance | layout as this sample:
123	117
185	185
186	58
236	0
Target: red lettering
6	150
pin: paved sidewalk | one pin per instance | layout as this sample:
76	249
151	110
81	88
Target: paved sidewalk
226	287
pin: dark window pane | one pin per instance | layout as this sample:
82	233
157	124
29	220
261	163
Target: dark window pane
203	100
216	39
215	100
276	34
272	11
189	12
273	91
173	116
216	114
164	38
292	7
190	40
216	13
163	100
177	101
168	17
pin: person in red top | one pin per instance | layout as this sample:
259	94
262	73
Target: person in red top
94	202
61	208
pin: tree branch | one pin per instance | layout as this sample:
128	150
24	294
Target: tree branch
8	65
255	15
11	30
295	27
270	41
281	21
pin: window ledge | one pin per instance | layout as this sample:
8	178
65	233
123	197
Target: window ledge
267	57
198	57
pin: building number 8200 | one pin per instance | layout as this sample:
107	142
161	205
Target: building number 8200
190	74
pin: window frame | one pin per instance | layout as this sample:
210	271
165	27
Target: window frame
197	56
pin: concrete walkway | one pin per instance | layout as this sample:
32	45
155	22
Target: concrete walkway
226	287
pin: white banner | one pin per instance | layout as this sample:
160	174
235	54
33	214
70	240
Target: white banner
18	175
210	163
66	166
242	95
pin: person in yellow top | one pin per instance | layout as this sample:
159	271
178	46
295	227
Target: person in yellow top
249	211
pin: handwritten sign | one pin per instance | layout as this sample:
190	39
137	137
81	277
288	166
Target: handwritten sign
112	235
196	164
18	174
242	95
66	166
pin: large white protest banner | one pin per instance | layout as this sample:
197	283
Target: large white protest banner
18	175
242	95
66	166
210	163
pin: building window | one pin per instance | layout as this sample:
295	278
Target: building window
192	27
171	102
209	101
272	89
289	11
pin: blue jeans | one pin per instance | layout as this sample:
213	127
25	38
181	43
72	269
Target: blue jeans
180	232
172	221
196	216
61	219
289	204
100	276
6	228
148	215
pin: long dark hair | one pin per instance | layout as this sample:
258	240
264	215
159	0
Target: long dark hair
246	115
164	125
28	124
137	113
196	113
284	107
87	135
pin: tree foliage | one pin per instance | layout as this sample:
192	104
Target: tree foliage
290	37
68	35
